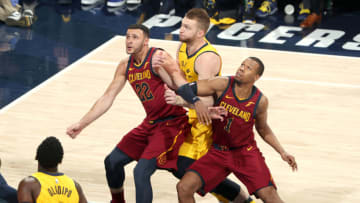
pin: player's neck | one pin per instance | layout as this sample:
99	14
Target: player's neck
194	45
140	56
48	170
243	90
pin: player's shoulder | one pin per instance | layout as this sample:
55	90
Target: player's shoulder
29	182
263	102
123	63
208	54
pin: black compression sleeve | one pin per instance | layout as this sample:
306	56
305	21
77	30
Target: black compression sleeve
188	92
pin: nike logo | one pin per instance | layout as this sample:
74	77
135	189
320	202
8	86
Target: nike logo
249	148
249	103
228	97
147	63
130	69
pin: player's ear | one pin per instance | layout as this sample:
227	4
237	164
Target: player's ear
200	33
257	76
146	41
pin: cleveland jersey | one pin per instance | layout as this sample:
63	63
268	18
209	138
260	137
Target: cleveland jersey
187	64
56	188
237	128
150	89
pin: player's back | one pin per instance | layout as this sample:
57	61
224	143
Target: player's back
237	128
150	89
56	188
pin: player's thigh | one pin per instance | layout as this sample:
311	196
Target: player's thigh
212	168
134	142
252	170
166	136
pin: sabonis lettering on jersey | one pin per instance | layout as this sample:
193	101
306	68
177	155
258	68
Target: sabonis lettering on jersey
139	76
59	190
236	111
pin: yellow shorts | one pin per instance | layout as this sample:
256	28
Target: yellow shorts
198	142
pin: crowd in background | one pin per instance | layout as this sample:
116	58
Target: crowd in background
222	12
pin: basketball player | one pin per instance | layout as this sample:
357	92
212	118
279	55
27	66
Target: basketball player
234	148
48	185
155	142
198	60
7	193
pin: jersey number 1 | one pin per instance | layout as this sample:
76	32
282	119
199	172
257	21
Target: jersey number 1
228	125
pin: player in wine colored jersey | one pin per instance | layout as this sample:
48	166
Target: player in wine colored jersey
155	142
234	148
198	60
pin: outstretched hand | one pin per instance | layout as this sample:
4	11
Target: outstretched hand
217	112
290	159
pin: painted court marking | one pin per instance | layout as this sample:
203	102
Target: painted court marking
306	82
107	43
59	74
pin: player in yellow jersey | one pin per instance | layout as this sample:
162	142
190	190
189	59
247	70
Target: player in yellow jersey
198	60
48	185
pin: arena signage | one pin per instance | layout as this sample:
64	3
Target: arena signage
319	38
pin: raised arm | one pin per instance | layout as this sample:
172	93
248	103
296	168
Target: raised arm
212	86
170	65
267	134
103	103
207	66
160	70
202	88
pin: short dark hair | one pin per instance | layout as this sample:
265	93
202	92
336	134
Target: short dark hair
49	153
260	63
141	27
201	16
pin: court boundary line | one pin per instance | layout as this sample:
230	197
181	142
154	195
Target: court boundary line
56	75
307	82
116	37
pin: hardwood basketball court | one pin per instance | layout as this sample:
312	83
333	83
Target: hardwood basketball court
314	111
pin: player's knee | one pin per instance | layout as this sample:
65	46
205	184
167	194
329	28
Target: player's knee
185	189
270	195
181	189
139	172
107	162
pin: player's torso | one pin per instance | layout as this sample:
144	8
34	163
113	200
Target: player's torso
237	128
56	188
196	145
187	64
149	88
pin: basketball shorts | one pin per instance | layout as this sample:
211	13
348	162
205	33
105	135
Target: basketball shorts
247	164
159	139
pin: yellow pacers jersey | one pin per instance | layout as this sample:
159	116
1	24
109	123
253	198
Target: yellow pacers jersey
57	188
196	145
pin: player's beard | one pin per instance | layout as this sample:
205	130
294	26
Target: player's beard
138	49
185	40
237	82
